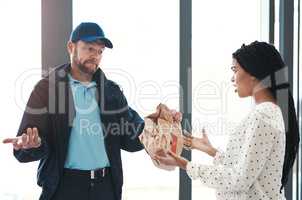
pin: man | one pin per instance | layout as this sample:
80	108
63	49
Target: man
76	122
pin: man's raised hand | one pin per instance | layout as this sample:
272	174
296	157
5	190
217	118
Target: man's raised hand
28	140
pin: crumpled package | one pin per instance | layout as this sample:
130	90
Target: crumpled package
162	134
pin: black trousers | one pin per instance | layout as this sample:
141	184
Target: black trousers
74	186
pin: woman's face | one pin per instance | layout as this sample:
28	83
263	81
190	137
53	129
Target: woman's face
243	81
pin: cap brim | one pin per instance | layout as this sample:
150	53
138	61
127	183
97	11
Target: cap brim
106	41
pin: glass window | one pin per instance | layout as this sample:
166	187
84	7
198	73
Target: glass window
218	29
21	68
145	63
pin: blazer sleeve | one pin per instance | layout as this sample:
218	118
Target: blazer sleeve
35	115
132	126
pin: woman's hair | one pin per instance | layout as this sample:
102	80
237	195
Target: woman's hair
264	62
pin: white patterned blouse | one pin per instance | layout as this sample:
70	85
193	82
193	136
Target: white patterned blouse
251	166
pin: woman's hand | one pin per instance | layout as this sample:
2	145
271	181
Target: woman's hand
203	144
171	159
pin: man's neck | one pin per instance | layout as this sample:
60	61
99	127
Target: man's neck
80	76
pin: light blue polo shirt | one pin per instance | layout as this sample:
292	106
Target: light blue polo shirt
86	150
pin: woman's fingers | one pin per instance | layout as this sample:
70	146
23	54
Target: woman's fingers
205	138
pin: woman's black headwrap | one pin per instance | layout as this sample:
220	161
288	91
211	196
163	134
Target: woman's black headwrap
264	62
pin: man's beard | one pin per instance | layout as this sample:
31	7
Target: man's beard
81	66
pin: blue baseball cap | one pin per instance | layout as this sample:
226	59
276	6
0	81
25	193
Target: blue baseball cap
88	32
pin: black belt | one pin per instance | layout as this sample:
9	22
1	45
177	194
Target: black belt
92	174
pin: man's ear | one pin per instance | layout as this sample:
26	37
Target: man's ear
70	47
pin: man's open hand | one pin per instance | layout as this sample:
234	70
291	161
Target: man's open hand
27	140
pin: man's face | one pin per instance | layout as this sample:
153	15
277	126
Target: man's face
86	55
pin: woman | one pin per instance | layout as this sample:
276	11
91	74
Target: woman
261	151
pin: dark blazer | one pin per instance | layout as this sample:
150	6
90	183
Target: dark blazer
50	108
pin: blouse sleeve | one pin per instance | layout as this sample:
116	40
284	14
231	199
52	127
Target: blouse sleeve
256	150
